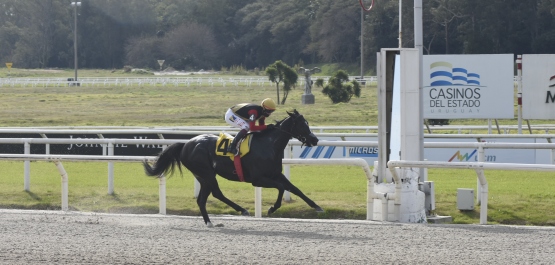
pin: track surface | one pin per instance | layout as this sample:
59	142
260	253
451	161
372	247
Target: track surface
49	237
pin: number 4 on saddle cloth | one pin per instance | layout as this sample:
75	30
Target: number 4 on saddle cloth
224	140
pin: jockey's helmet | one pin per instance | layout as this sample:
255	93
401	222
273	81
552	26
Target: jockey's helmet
269	104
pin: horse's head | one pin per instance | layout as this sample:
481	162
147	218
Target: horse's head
300	130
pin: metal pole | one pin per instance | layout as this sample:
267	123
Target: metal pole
361	44
519	90
75	4
400	23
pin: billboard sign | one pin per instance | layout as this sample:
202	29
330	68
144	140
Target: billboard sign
538	86
478	86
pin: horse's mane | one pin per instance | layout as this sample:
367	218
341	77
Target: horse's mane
279	123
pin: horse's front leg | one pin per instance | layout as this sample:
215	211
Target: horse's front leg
277	204
293	189
269	183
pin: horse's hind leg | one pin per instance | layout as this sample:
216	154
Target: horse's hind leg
201	202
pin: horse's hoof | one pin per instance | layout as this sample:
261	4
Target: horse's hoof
209	225
271	210
245	213
319	209
220	225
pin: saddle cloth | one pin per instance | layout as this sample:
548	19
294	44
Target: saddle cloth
224	140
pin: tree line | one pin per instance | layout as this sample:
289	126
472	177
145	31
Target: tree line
216	34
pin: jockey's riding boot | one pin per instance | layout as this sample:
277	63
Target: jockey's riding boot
233	147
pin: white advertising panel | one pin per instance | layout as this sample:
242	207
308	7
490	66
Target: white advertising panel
538	86
525	156
370	154
474	86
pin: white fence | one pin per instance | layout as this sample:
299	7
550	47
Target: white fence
162	181
156	81
479	167
110	158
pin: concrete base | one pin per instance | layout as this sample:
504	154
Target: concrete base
412	208
307	99
439	219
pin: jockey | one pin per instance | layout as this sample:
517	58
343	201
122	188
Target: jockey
244	116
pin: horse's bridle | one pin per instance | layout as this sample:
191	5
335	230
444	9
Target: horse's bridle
299	137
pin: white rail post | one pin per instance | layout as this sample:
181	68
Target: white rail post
369	197
162	194
484	196
481	158
47	146
65	189
258	202
287	171
552	152
27	168
196	187
110	170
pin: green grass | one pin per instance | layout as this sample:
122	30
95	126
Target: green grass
515	197
164	106
137	193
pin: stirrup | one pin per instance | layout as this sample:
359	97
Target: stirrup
234	151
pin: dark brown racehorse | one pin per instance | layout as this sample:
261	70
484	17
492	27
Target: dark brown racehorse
262	166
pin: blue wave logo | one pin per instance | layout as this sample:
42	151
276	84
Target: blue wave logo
317	152
320	152
444	74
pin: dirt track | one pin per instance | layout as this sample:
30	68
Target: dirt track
48	237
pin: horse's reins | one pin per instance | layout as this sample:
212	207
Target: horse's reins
299	137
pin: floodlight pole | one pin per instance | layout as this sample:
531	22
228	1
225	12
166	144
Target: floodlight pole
361	44
75	4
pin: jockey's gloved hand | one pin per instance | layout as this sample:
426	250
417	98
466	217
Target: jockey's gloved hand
270	126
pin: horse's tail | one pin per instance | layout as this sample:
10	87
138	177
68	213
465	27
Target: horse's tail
165	164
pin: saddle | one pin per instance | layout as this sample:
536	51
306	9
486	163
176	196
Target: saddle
224	140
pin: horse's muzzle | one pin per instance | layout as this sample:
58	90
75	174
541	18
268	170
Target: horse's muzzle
311	140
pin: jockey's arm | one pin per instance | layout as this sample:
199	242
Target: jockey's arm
253	115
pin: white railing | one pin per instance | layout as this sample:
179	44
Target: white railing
479	167
110	158
371	195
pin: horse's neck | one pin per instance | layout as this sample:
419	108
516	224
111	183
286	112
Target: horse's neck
282	138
